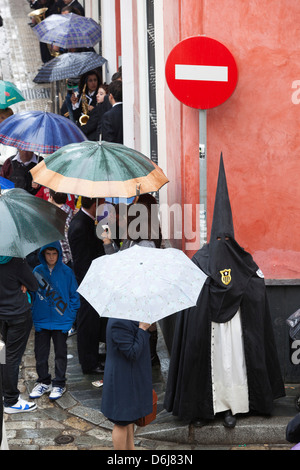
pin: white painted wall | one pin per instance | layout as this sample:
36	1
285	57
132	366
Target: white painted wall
127	72
160	101
108	24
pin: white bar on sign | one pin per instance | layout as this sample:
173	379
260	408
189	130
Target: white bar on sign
210	73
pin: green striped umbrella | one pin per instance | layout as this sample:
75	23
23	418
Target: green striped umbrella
9	94
99	169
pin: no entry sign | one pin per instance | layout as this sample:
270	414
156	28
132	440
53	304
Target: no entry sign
201	72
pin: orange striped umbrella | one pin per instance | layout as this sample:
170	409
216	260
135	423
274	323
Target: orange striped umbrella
99	169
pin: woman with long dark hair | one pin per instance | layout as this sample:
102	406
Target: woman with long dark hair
86	100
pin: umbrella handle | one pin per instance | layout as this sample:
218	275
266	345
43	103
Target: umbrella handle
138	189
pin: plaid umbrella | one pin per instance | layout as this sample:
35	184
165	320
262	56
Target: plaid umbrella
39	131
68	31
72	64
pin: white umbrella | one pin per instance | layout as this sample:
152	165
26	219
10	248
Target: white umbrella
142	284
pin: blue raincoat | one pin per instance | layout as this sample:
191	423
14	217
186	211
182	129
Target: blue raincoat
56	302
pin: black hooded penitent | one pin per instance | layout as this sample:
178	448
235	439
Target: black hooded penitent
234	281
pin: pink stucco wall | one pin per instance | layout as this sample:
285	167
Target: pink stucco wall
257	129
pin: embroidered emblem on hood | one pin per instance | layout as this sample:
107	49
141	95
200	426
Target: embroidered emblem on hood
226	276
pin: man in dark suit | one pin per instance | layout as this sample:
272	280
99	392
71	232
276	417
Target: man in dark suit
112	121
86	246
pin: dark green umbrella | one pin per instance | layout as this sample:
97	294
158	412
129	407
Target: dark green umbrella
99	169
27	223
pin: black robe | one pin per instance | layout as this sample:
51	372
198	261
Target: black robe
189	387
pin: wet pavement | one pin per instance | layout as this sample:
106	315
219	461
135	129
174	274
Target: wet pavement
75	421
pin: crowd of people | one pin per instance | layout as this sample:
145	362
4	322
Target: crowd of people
88	97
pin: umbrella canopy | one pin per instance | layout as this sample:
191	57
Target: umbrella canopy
68	31
71	64
142	284
99	169
27	223
39	131
6	184
9	94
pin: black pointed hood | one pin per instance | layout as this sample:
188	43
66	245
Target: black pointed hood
222	224
228	265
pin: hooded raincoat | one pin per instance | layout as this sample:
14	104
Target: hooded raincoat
56	302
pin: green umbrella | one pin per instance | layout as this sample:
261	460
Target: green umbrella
9	94
99	169
27	223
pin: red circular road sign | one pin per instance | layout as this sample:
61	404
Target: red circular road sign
201	72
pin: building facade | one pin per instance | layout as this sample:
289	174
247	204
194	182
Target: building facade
256	129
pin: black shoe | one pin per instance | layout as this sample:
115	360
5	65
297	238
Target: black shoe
229	420
97	370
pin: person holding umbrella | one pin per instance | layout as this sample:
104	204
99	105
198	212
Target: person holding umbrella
124	400
128	343
147	208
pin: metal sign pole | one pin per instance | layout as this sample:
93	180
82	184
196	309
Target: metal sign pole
203	174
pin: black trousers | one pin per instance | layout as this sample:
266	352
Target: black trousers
15	333
1	407
91	330
42	351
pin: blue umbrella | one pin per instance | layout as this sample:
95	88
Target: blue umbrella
69	65
39	131
68	31
6	184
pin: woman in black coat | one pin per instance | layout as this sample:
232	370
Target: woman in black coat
93	128
127	383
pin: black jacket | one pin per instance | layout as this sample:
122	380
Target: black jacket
93	127
13	275
84	243
112	125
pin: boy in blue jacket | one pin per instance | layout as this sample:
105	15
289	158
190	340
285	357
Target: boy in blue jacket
54	309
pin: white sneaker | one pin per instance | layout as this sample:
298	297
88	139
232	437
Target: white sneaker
21	406
39	389
57	393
